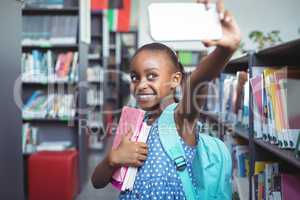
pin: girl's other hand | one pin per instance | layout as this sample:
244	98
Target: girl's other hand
128	153
231	32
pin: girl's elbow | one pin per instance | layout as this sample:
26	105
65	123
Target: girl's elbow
96	183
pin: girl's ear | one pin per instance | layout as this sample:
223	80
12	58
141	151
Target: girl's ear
176	79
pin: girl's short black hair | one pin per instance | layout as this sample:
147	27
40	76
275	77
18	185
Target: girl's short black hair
163	48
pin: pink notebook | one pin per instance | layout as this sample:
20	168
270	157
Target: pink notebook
130	118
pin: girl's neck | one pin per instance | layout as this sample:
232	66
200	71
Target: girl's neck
158	109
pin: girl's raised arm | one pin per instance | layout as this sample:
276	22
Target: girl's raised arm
210	66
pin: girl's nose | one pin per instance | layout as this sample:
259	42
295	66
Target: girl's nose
142	85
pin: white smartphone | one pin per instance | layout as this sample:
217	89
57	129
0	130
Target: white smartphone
184	22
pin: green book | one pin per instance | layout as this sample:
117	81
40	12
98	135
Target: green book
185	57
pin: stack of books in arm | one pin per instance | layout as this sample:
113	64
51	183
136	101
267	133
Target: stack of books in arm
131	119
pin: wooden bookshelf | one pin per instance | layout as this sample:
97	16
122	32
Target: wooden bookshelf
60	129
285	54
51	11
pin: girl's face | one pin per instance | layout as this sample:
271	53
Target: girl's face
153	78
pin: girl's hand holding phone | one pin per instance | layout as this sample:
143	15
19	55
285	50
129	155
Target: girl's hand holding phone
128	153
231	32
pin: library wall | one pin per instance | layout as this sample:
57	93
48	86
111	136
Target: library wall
264	15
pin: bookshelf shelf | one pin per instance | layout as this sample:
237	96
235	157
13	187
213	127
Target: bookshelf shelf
50	11
97	36
47	83
96	13
45	120
242	60
60	46
279	55
95	82
242	132
286	155
285	49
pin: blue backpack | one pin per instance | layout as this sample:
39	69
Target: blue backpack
212	164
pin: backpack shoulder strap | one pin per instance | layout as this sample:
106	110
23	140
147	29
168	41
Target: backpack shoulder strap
171	143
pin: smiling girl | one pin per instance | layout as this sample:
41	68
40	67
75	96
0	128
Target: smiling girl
155	74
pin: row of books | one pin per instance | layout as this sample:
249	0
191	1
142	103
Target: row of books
268	183
49	3
31	143
276	93
241	160
29	138
51	106
49	30
229	98
95	74
94	97
48	67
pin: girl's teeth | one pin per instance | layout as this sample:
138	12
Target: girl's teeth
144	97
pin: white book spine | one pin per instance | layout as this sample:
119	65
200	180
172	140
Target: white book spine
132	171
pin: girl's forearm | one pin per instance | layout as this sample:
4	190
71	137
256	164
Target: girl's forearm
211	66
208	69
103	173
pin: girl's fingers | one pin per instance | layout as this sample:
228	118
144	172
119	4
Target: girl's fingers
227	16
220	9
143	145
143	151
209	43
137	163
142	157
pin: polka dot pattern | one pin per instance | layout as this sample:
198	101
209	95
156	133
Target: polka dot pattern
157	179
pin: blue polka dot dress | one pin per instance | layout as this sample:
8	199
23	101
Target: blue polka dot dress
157	178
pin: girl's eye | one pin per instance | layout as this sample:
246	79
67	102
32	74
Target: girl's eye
151	76
133	77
